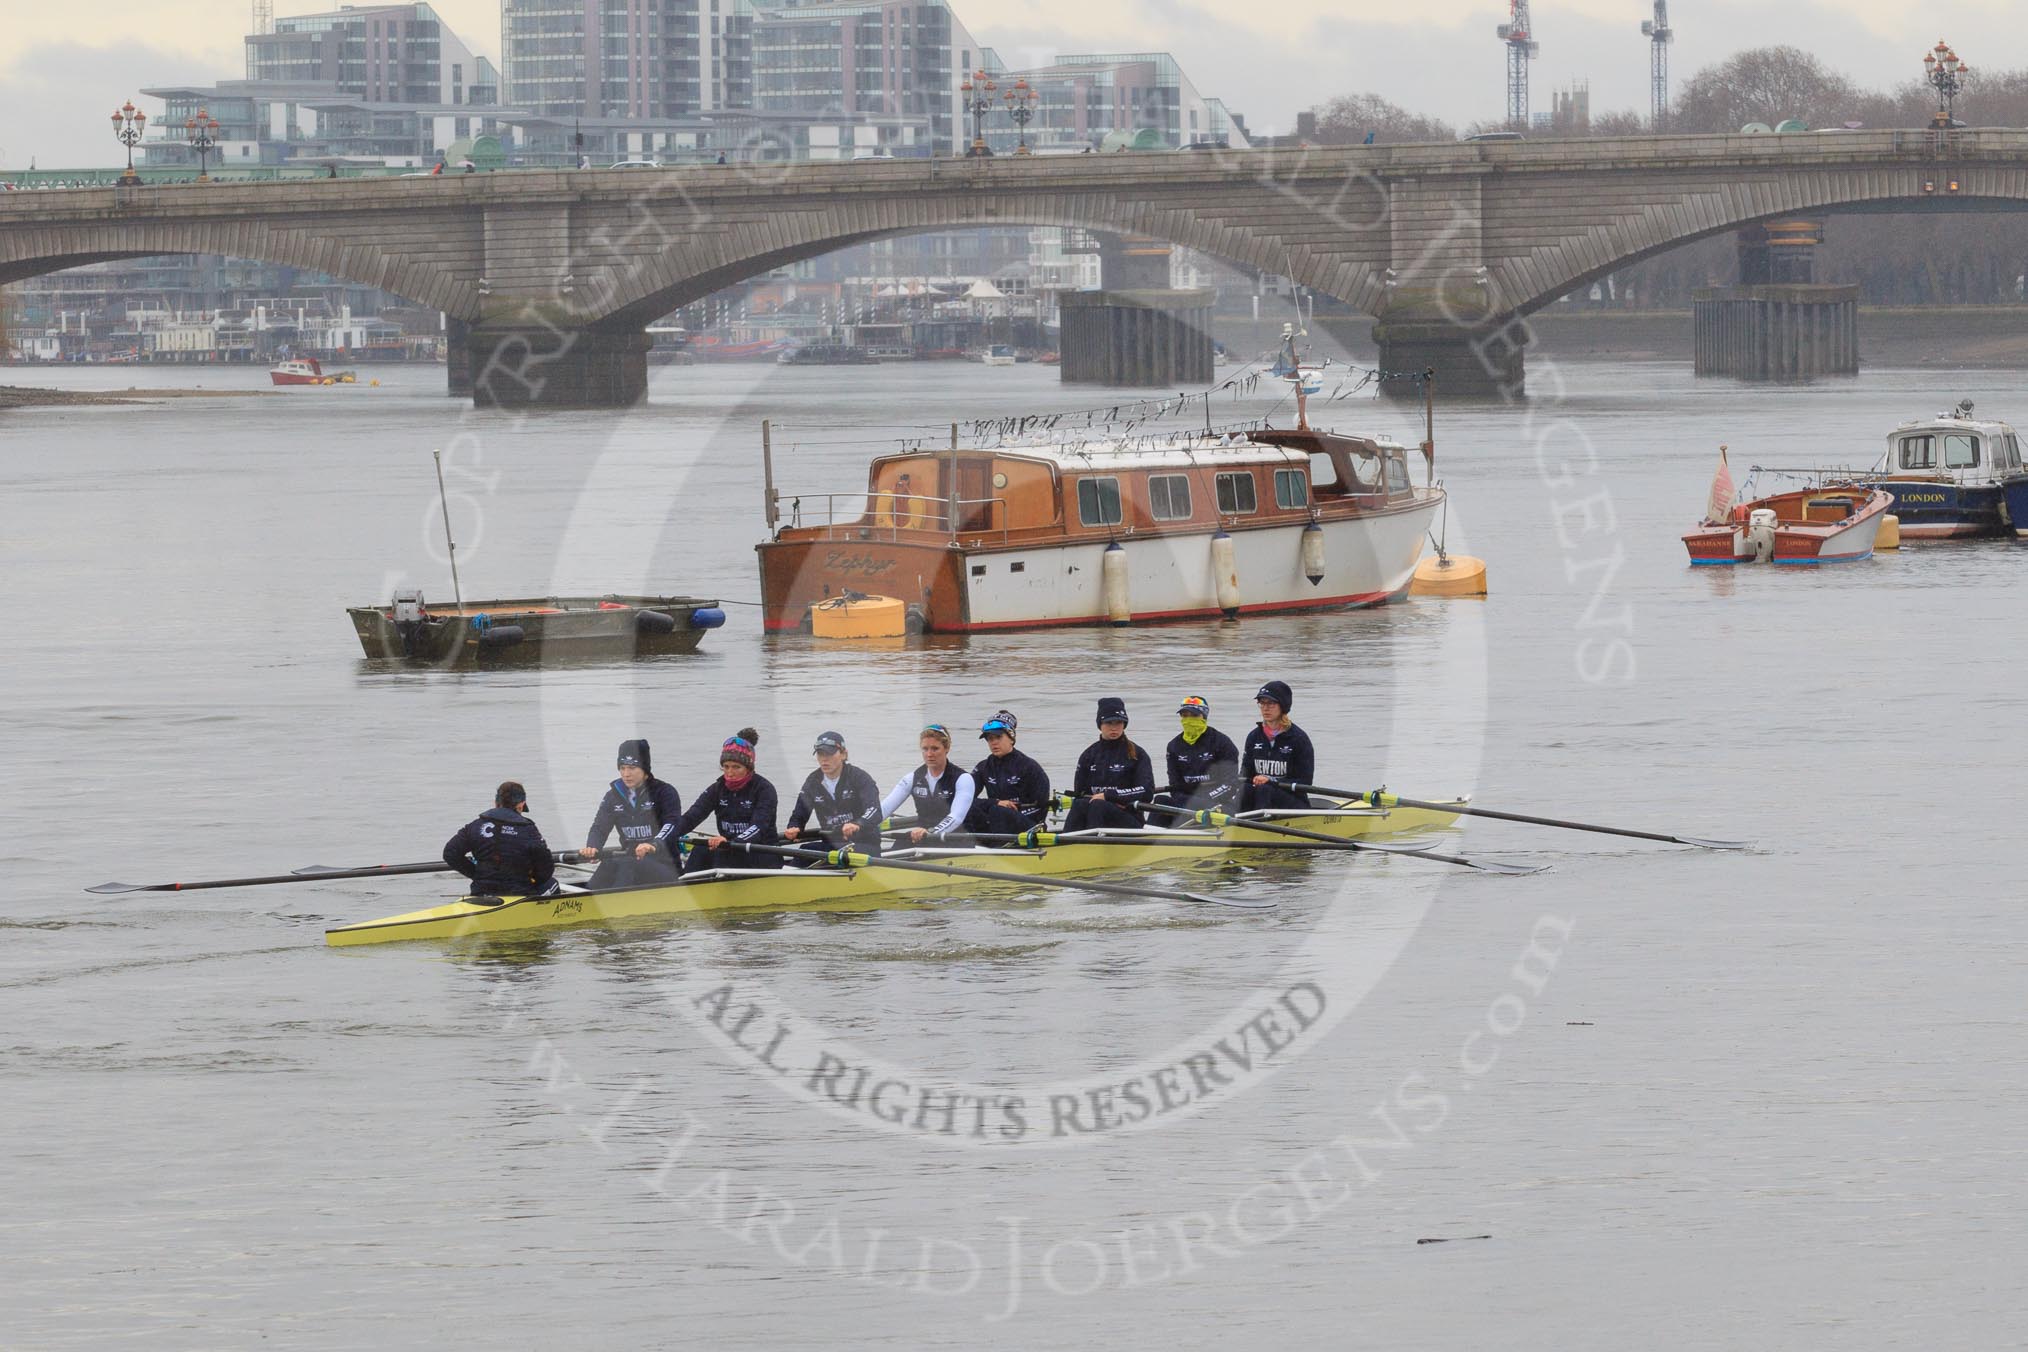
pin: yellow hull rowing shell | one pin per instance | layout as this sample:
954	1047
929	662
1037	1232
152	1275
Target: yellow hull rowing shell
818	888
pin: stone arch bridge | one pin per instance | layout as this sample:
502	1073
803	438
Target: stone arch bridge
551	276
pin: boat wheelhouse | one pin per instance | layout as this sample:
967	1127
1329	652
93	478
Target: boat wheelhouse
1040	533
1948	475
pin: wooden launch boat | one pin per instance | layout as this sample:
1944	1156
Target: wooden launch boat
1837	524
860	889
532	629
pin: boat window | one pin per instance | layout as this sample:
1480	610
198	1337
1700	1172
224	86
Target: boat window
1397	475
1960	451
1169	497
1918	453
1324	472
1235	494
2013	452
1098	502
1292	488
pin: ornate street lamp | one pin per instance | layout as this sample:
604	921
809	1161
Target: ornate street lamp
127	128
202	133
1021	100
1946	75
978	91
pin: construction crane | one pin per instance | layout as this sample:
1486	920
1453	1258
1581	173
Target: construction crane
1521	49
263	16
1659	36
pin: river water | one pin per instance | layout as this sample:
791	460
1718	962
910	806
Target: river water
1692	1099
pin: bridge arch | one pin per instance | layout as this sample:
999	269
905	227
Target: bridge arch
707	256
393	254
1528	280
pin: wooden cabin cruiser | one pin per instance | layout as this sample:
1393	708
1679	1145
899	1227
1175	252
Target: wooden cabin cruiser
1948	475
1814	526
1044	532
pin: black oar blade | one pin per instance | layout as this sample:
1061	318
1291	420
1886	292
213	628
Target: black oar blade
1713	844
1235	903
112	889
1504	867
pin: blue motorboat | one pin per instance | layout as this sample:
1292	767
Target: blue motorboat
1951	476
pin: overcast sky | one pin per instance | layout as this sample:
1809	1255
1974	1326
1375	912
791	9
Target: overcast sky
62	71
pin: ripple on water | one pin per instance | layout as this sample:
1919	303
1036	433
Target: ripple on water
123	1058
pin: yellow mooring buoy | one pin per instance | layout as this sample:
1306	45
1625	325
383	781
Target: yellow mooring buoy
1890	533
1449	575
855	616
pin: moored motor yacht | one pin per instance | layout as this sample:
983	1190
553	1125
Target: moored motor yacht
1948	475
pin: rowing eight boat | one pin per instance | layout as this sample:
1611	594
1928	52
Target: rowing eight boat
798	889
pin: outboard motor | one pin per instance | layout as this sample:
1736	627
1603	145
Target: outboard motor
410	614
1760	533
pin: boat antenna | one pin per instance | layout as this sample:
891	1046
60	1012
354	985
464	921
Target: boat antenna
443	501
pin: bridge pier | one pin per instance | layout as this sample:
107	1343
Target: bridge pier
544	366
1483	361
457	358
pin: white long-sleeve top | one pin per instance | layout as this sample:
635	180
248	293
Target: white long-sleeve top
961	800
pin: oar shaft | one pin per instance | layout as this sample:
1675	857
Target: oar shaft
853	859
1271	828
1157	841
1380	798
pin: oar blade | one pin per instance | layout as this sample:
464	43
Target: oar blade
114	889
1231	903
1506	868
1713	844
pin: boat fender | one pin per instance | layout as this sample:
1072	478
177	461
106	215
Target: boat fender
1313	553
654	622
1113	583
1225	574
501	636
707	617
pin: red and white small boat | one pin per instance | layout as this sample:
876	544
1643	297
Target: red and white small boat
1833	524
306	371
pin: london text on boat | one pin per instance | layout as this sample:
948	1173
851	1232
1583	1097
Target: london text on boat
780	889
1047	532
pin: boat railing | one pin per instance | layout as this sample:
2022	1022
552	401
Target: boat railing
886	516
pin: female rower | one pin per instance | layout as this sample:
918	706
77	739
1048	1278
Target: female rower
1013	791
645	810
940	792
843	798
745	805
1113	777
1203	763
1278	754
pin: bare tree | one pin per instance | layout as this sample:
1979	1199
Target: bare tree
1625	122
1352	118
1763	84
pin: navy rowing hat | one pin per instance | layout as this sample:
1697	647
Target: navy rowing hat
1112	709
1000	722
1196	706
1279	692
634	753
830	741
